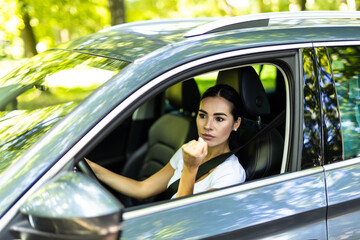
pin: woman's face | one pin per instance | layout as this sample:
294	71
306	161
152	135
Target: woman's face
215	121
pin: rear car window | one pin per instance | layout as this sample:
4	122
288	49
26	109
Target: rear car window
346	70
267	74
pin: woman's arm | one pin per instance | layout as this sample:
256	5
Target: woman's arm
194	153
151	186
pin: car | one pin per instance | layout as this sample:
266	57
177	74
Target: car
126	98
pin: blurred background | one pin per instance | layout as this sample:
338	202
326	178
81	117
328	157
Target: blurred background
28	27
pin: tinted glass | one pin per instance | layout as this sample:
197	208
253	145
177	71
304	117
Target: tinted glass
36	96
332	139
312	127
346	70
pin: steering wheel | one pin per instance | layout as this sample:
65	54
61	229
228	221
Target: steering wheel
85	168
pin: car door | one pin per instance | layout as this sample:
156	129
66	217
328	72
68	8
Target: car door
341	107
290	206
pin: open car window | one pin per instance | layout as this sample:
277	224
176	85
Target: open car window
143	143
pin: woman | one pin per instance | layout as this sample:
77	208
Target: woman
218	117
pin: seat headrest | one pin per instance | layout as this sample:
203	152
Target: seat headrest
252	93
184	95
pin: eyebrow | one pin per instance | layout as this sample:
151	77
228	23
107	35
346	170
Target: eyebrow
215	114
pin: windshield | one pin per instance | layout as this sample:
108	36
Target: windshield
36	96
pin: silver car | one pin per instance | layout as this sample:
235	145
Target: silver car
126	98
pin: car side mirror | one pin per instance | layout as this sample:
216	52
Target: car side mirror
71	206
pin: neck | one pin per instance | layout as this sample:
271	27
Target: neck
216	151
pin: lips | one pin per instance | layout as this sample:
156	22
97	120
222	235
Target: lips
207	137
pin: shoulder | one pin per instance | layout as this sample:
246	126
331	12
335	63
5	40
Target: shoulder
231	167
232	162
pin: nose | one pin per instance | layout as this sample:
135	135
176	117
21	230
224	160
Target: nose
208	124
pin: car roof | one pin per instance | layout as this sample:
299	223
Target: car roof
280	20
132	41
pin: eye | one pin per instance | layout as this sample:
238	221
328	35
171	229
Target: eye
202	115
219	119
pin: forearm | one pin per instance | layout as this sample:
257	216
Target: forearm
194	152
124	185
187	182
153	185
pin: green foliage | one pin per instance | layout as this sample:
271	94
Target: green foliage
52	21
56	21
148	9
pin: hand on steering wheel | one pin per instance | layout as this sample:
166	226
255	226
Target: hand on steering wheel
85	168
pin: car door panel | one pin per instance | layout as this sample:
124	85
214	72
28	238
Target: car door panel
290	206
344	199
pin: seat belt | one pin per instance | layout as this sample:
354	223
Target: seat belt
216	161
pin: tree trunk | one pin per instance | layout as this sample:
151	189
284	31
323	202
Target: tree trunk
261	6
302	5
117	11
27	32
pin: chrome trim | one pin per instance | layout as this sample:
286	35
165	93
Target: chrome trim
220	193
287	122
337	43
342	164
125	104
212	26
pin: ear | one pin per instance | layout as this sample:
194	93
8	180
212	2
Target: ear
237	123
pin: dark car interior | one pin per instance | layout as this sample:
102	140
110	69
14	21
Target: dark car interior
145	142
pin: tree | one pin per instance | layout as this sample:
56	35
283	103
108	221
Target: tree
27	31
302	5
50	22
117	11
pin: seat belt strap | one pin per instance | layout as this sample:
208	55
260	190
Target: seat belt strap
216	161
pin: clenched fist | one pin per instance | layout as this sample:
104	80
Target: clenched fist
194	153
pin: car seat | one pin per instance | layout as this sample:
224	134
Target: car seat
262	157
173	129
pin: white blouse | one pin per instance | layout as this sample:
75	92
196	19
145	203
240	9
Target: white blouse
228	173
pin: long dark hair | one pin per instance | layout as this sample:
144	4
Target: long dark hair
231	95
